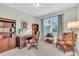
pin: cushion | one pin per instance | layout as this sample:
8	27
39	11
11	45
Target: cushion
61	42
69	43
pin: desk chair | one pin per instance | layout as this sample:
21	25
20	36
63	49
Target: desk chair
34	40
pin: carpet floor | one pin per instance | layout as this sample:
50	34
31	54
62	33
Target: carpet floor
44	49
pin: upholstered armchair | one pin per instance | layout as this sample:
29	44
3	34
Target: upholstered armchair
67	41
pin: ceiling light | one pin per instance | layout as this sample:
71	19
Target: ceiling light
36	4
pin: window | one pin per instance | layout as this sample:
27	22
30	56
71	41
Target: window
50	25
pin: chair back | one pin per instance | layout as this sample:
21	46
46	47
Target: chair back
37	35
69	36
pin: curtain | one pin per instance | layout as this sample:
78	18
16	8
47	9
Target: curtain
60	25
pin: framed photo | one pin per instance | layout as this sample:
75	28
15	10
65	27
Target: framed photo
24	24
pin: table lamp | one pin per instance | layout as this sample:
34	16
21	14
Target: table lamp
73	26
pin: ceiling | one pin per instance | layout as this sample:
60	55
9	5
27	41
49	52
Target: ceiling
44	9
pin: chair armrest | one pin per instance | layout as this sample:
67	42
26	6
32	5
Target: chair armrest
59	39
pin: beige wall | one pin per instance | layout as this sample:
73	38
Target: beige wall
7	12
77	41
78	11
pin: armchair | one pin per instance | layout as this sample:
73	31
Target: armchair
66	42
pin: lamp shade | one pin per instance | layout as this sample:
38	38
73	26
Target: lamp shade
73	25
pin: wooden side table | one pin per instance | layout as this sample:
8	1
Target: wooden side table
49	40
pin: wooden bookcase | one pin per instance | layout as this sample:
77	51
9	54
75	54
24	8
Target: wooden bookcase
6	42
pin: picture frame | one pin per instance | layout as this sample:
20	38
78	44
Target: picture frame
24	24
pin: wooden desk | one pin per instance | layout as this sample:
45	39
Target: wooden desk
20	42
28	37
